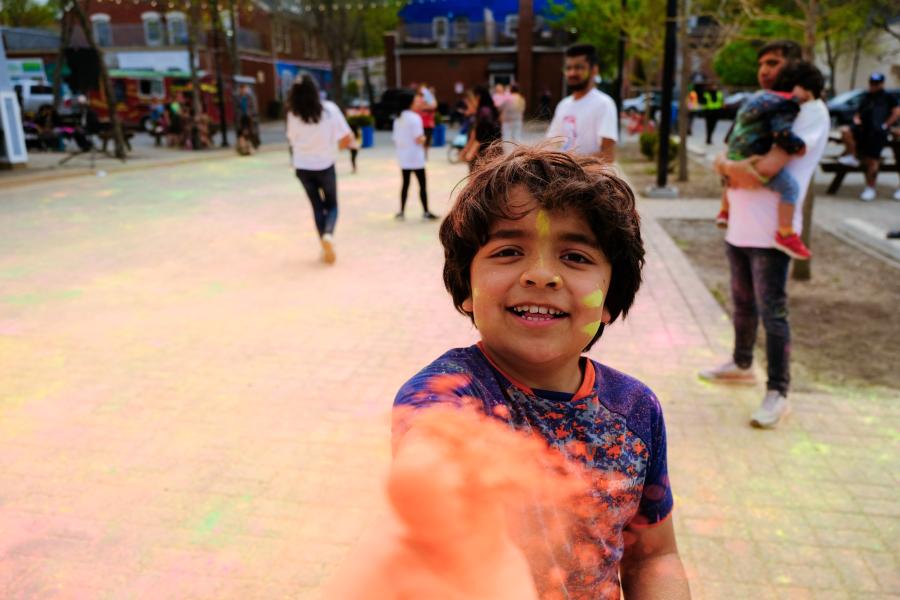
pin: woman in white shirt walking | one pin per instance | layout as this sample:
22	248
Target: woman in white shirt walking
409	139
316	129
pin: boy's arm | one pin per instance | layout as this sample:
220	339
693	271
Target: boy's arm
651	567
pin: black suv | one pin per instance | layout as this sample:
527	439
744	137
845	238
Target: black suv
843	106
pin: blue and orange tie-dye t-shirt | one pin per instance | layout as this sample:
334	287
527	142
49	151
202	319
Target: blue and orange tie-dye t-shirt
614	422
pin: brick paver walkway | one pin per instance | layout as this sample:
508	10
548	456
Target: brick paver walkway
191	406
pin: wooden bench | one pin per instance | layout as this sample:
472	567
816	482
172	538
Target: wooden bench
831	165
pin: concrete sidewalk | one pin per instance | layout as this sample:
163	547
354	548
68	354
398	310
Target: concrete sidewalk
193	406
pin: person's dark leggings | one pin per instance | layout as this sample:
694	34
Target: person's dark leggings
423	191
712	119
353	153
321	187
758	280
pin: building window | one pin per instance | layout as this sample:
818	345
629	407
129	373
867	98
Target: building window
281	34
177	28
461	30
511	26
225	20
439	27
153	31
102	29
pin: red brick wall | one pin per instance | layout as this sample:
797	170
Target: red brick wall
444	70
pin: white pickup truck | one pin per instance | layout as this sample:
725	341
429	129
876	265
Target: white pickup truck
34	94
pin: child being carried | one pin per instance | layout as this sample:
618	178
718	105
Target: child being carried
766	119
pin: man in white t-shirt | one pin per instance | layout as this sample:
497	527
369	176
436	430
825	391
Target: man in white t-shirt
586	122
759	271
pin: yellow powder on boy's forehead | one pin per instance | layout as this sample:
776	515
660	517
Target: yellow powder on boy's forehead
542	222
594	299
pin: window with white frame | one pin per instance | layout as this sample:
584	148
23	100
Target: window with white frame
511	26
176	24
439	27
461	30
153	30
102	29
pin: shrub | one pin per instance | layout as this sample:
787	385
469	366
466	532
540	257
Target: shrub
361	121
649	144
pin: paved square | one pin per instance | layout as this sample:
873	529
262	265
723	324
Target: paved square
192	406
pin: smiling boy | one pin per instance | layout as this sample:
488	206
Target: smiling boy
542	251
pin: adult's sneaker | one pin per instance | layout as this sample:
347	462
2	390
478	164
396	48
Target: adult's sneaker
775	406
848	160
792	245
729	372
868	194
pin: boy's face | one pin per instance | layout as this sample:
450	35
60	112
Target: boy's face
538	286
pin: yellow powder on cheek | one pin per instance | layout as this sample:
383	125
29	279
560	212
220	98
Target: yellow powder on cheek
592	328
594	299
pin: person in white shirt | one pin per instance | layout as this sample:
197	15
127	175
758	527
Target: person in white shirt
587	121
409	140
758	270
511	114
316	128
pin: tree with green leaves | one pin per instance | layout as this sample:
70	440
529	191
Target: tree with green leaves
27	13
346	29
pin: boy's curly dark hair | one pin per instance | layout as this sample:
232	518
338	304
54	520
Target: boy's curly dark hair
558	181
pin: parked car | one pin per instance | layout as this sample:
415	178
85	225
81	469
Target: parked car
843	106
638	104
34	94
388	108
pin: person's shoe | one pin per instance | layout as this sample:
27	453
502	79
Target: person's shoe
729	372
399	217
893	234
868	194
722	219
848	160
328	255
775	406
429	216
792	245
896	195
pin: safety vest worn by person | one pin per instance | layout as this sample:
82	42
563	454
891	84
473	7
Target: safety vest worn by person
713	102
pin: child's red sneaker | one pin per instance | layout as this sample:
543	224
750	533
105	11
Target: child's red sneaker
792	245
722	219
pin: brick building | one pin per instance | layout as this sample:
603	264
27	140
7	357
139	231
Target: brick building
454	45
273	46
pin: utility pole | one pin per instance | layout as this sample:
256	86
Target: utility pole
662	168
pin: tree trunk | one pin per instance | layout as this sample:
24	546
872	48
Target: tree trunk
194	25
831	59
105	85
65	35
857	50
217	60
809	51
235	61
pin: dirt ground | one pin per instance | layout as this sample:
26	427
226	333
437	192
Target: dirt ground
702	184
844	321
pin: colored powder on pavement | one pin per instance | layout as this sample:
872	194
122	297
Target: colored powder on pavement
594	299
479	511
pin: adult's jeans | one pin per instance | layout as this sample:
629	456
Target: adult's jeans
321	187
758	280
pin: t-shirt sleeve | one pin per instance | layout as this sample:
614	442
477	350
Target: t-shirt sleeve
656	499
429	388
555	129
607	123
341	128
